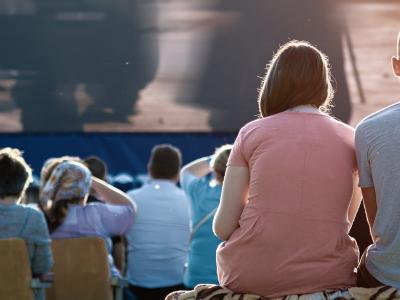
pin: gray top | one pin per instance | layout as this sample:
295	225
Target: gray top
378	155
27	223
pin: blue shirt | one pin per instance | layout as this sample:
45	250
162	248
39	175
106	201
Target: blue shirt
377	147
204	197
27	223
158	243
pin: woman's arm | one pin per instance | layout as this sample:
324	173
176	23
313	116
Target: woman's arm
199	167
355	200
233	199
110	194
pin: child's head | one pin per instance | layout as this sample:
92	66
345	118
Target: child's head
15	174
396	59
219	161
298	74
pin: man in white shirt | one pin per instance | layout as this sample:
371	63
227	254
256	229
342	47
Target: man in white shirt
158	242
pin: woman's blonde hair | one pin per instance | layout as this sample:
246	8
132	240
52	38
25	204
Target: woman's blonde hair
220	159
298	74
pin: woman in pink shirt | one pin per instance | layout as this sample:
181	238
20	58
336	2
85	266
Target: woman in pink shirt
289	196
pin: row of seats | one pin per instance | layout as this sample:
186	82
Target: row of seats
80	270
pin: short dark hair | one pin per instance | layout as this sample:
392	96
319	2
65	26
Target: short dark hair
165	162
97	167
15	174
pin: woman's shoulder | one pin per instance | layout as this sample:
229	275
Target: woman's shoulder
341	127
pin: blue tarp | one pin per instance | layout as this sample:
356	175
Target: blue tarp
123	152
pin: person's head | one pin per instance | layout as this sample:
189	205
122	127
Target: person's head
31	194
396	59
298	74
219	161
69	183
50	164
165	162
15	174
97	166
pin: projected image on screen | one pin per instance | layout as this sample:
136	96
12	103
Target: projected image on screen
179	65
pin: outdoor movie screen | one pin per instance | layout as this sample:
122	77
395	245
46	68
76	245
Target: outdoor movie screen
180	65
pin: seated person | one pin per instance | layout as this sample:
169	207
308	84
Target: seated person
64	199
158	244
98	168
377	148
19	221
202	182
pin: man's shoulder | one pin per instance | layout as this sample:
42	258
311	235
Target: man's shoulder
381	116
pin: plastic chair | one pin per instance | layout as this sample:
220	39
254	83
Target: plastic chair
81	271
16	281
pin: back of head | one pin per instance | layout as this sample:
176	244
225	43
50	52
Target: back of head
97	167
69	180
15	174
69	183
298	74
220	159
165	162
50	164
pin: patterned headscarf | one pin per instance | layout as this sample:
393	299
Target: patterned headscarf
68	180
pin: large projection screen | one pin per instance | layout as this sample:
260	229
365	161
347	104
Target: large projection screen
179	65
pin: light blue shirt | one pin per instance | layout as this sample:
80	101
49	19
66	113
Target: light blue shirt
158	243
204	197
378	155
27	223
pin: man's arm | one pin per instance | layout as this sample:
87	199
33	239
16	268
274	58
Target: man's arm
366	178
355	200
370	208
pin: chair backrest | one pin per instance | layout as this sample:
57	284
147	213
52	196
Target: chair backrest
81	270
15	270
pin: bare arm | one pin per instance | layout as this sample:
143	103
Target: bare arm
110	194
233	199
199	167
355	200
369	196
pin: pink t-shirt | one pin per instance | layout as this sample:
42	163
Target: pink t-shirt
293	234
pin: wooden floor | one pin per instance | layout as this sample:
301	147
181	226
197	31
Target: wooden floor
373	27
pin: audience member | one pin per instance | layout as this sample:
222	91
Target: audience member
158	244
287	201
63	198
19	221
99	169
31	196
202	182
377	147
